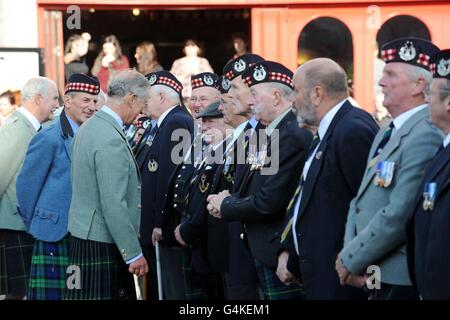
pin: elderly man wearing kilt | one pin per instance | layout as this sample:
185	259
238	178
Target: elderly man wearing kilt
39	99
44	189
104	215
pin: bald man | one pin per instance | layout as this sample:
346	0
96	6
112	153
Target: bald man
331	176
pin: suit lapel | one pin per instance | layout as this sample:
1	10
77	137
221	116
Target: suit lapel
436	169
67	146
392	145
174	110
66	133
316	164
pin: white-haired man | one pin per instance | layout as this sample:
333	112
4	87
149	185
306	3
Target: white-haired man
375	229
39	99
157	168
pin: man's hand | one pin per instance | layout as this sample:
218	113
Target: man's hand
138	267
356	281
215	202
342	271
283	273
156	235
179	237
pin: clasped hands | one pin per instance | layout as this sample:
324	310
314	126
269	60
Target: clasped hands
215	202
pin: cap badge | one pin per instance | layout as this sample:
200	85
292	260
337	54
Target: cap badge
152	79
407	52
225	83
260	73
239	65
208	80
443	68
203	185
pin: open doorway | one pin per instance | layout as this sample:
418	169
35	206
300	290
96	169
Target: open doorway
168	30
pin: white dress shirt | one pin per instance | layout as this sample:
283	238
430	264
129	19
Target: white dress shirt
402	118
30	117
446	140
321	131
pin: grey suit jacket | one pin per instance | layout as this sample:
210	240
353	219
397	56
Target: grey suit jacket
106	190
375	229
15	137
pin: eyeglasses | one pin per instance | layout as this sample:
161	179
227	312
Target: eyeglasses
201	100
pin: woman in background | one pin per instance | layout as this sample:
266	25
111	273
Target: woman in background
74	54
109	61
190	64
7	105
146	58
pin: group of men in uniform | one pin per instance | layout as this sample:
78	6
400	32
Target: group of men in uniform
272	186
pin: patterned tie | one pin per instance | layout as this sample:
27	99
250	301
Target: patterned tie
387	135
291	207
314	143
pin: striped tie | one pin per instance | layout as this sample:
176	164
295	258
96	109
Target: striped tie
291	207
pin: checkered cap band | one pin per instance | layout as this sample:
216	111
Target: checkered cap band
423	59
433	68
168	82
195	83
229	75
388	55
280	77
82	87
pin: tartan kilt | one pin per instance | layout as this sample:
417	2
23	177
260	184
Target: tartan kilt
48	270
194	290
273	288
102	272
16	248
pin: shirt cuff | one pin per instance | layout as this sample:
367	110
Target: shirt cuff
134	259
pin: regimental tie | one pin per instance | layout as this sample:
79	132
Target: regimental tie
290	210
387	135
151	134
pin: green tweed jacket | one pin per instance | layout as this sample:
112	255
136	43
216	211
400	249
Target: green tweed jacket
15	136
106	191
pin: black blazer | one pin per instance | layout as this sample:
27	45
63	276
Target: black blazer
155	184
241	264
262	199
332	182
207	235
428	236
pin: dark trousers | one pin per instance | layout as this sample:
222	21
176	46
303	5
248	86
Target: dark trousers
173	280
152	279
209	285
394	292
